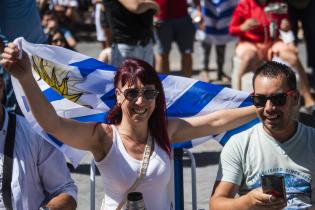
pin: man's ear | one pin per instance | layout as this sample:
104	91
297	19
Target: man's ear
296	98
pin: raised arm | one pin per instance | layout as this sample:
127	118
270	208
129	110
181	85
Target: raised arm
85	136
183	129
140	6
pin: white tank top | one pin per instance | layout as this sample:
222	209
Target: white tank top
119	170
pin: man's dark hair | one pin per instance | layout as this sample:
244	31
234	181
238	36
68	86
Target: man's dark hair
272	69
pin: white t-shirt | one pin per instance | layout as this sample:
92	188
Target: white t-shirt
119	170
39	170
253	152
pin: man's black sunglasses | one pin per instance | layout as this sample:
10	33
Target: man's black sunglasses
278	99
132	94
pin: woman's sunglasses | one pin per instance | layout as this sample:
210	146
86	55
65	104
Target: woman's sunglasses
132	94
278	99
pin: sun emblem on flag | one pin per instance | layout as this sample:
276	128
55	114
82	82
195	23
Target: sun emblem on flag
57	77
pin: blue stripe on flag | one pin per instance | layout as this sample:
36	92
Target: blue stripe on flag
193	100
56	141
221	15
109	98
230	133
52	95
227	136
89	65
247	102
162	76
92	118
186	144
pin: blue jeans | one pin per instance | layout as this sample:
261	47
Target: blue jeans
122	51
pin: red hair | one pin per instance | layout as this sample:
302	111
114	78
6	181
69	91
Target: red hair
129	72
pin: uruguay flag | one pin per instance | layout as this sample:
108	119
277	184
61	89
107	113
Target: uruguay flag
81	88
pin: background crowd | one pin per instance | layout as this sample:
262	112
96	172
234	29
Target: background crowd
124	30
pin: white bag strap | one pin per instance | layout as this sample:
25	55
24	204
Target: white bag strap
142	173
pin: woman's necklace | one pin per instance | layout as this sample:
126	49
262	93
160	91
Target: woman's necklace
131	139
134	147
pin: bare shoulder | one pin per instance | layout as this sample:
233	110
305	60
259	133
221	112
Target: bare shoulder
105	132
104	141
107	128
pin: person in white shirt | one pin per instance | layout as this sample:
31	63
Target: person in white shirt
279	145
40	177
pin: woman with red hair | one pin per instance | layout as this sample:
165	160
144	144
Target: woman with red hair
133	148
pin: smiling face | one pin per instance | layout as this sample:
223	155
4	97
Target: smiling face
58	40
138	110
277	120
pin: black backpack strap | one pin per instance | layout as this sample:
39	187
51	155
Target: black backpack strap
8	162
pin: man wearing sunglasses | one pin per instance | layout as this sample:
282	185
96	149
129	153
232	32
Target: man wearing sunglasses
279	145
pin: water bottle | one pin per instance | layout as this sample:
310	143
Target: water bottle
135	201
273	30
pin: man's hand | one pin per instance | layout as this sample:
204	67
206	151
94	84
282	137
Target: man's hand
223	198
249	24
52	26
261	201
62	201
19	68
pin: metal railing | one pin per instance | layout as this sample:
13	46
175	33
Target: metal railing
193	179
92	185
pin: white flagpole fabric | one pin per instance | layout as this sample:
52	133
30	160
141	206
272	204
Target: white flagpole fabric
81	88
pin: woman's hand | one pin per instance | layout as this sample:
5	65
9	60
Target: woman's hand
19	68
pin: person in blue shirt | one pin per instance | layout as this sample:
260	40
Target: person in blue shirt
19	18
